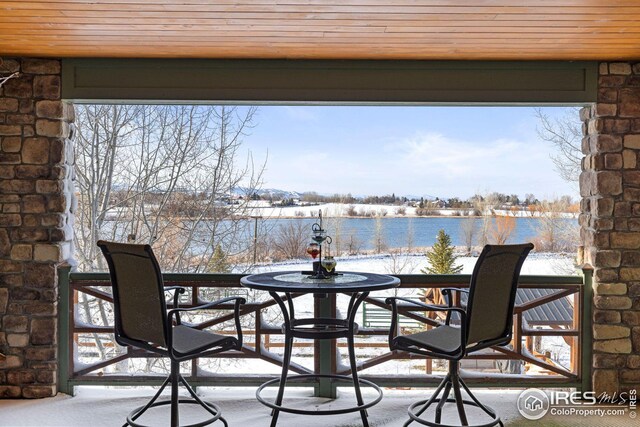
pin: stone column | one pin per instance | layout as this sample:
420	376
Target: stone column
610	224
36	198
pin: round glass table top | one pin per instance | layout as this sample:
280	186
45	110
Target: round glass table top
284	281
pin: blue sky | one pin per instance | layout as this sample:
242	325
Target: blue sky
437	151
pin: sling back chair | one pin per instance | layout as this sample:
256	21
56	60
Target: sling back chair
142	320
486	321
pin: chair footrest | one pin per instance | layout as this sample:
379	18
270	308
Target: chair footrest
321	328
212	408
493	417
306	377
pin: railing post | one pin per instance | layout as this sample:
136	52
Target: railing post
64	339
325	350
586	328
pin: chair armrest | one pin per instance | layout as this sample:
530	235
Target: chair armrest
427	307
176	297
207	306
447	292
238	301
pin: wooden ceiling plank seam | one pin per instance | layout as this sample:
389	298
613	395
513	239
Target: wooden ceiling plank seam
453	32
10	22
329	37
549	3
602	18
582	3
344	7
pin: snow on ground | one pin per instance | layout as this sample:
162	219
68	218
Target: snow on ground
260	208
328	210
535	264
540	264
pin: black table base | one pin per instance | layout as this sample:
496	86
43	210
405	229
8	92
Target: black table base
357	286
319	328
344	378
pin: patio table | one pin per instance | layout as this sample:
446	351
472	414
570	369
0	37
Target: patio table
358	286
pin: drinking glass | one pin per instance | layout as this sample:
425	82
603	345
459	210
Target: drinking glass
313	249
329	263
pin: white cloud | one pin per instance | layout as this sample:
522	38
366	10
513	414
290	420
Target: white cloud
302	114
423	164
449	167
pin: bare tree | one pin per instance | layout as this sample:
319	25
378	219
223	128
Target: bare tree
485	206
163	175
400	262
410	235
334	223
503	227
468	230
379	241
556	233
565	133
352	243
290	240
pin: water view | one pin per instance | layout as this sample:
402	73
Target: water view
416	232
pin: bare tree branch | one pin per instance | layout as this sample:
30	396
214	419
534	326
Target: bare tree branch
565	134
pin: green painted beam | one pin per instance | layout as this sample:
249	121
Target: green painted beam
326	355
383	381
64	356
586	352
329	82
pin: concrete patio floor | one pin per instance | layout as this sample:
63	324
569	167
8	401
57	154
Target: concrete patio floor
97	407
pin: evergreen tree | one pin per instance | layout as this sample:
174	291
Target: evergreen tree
218	263
441	257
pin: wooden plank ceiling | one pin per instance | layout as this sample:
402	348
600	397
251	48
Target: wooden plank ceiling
324	29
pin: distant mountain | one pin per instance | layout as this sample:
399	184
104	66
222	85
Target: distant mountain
279	194
274	193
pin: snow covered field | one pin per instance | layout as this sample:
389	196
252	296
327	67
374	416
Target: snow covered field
535	264
264	209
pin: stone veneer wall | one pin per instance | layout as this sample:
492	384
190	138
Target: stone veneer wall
36	204
36	197
610	222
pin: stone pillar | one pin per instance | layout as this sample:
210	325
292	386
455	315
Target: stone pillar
36	197
610	224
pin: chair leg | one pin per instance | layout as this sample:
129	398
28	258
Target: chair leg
455	375
443	400
211	408
475	399
149	403
175	379
175	371
286	361
434	396
452	381
428	402
354	375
